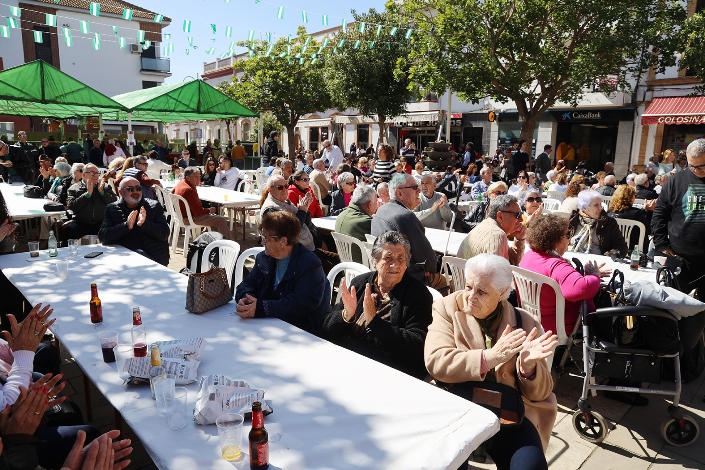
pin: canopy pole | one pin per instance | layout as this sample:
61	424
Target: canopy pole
129	132
449	117
101	131
260	144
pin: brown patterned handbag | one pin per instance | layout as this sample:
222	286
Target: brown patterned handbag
207	291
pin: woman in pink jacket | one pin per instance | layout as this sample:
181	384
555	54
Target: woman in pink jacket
548	237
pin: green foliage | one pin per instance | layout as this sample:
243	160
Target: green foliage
537	52
269	124
373	80
693	59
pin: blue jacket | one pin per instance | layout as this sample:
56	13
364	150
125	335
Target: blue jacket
302	298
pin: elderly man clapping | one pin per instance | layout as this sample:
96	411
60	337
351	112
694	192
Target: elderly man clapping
433	212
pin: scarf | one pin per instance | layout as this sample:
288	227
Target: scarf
489	327
583	240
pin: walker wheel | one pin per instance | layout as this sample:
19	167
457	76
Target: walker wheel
680	432
590	426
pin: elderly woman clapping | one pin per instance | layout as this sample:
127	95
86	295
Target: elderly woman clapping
341	197
386	313
475	337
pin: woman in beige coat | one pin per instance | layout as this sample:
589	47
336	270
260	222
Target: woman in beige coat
474	337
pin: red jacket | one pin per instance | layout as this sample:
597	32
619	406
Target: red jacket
185	190
295	194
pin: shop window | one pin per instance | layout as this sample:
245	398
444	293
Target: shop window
700	6
42	50
316	136
363	134
678	137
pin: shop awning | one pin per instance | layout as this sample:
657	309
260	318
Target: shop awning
675	110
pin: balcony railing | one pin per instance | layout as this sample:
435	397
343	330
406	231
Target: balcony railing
156	65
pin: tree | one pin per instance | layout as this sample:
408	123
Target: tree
285	78
694	39
269	124
538	52
367	75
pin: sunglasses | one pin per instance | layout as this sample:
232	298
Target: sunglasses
132	189
305	180
516	214
414	187
350	183
534	199
499	193
521	177
278	187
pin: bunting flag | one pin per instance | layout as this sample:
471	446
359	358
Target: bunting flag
269	37
372	44
225	55
379	29
50	19
324	20
288	50
228	31
171	47
345	25
140	35
96	42
122	42
408	34
308	40
210	51
280	13
363	27
67	37
320	49
11	22
232	46
269	50
213	27
250	54
158	18
304	17
251	35
289	39
357	44
4	31
147	44
341	43
115	30
187	26
313	62
187	51
190	41
85	28
16	11
325	42
38	37
393	31
282	55
127	14
301	61
94	9
166	36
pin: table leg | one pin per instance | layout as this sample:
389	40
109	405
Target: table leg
118	421
87	393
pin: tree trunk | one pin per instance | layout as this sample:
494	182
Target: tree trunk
227	126
382	130
528	126
291	140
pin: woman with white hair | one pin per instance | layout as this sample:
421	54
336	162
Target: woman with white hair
341	197
477	336
77	172
592	231
61	183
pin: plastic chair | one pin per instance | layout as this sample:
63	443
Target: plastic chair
557	195
165	200
228	251
639	203
180	222
454	271
551	204
317	193
261	177
350	269
368	248
344	244
626	226
434	293
528	285
562	214
240	263
370	238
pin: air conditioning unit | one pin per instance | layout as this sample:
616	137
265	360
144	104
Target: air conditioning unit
135	49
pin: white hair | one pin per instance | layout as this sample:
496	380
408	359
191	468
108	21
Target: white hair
641	179
382	186
630	177
63	168
493	267
363	195
695	148
74	168
551	174
610	180
318	162
272	178
585	197
485	169
429	175
397	182
343	178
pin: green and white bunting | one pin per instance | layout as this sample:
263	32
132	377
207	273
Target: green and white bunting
228	31
147	44
166	36
362	27
304	17
4	31
158	18
67	37
269	37
379	29
140	35
345	25
38	37
372	44
94	9
211	51
251	35
11	22
122	42
324	20
269	50
16	11
96	42
85	27
341	43
393	31
357	44
115	30
280	13
213	27
127	14
190	41
187	26
50	20
408	34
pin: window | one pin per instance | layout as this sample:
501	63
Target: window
42	50
147	84
363	134
700	6
245	130
316	136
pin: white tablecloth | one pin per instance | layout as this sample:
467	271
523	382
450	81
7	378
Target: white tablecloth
332	408
21	207
641	274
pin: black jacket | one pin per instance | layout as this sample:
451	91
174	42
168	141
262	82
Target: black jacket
398	342
95	156
152	237
606	190
89	209
23	158
476	215
608	234
337	204
270	151
302	297
645	193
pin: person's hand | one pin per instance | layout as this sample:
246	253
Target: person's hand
592	268
246	307
508	345
6	229
349	298
7	164
439	203
26	414
368	305
142	217
520	233
669	252
673	171
78	457
535	349
649	205
131	219
27	335
90	186
101	186
52	386
305	202
537	213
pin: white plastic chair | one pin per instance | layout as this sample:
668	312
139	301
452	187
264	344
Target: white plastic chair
528	285
551	204
626	226
351	270
370	238
639	203
165	201
344	244
557	195
368	249
562	214
261	177
454	271
228	251
317	194
434	293
240	263
187	224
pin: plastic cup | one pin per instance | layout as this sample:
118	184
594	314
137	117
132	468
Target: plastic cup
230	435
164	387
122	352
108	341
176	409
33	249
62	269
225	196
73	246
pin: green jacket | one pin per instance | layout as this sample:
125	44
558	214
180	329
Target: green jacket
355	222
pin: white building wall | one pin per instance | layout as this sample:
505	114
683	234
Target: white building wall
546	136
11	48
623	148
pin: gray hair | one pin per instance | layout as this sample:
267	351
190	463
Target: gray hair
641	179
187	172
429	175
63	168
92	165
551	174
660	179
343	178
397	182
127	179
630	177
485	169
391	238
381	186
274	177
695	148
610	180
492	267
363	195
318	162
501	203
585	197
74	169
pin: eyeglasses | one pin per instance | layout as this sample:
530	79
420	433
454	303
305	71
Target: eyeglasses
79	169
516	214
534	199
521	177
90	172
132	189
499	193
697	167
305	180
352	183
265	238
278	187
414	187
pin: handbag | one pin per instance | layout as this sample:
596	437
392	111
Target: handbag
207	291
33	192
51	206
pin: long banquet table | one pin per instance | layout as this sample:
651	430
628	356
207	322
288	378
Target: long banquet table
21	207
632	275
332	408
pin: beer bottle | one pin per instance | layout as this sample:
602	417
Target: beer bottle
96	307
156	372
259	440
139	335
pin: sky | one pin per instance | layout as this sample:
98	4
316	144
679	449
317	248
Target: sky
242	16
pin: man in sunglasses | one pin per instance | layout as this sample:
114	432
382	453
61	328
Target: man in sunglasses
88	200
136	223
491	235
